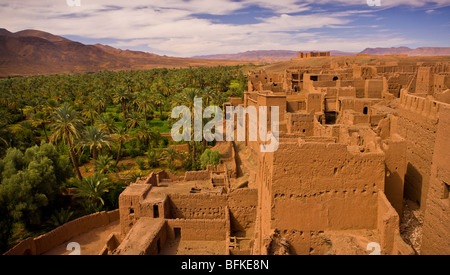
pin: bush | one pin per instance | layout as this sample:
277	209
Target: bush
153	158
210	157
141	164
164	117
30	183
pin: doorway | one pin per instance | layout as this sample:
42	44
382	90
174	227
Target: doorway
155	211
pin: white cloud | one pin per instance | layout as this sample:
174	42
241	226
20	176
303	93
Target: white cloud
171	27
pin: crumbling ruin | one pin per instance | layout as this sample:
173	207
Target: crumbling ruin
356	142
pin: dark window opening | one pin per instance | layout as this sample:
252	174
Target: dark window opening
335	78
155	211
366	110
330	117
304	131
158	245
177	232
446	190
131	211
314	78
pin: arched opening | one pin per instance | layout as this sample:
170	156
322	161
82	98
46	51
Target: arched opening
366	110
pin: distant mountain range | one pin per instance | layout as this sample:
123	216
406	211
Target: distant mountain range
33	52
281	55
423	51
270	56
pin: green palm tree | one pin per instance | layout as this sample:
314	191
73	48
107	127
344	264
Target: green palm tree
154	157
96	139
143	101
93	188
106	123
122	97
171	155
187	98
67	128
105	164
89	111
133	120
99	101
61	217
121	136
159	101
144	132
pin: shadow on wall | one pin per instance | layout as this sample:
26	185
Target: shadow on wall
394	190
413	184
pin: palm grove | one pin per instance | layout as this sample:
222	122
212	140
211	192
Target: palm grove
93	134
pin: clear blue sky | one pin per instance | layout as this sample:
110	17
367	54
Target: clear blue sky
199	27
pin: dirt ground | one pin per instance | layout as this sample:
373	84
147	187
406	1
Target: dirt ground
91	243
411	225
180	247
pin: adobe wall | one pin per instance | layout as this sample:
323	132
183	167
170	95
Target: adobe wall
197	175
300	123
314	102
417	124
129	205
242	204
374	88
395	151
62	234
388	223
436	230
315	187
324	172
441	82
199	230
147	237
424	80
197	206
295	106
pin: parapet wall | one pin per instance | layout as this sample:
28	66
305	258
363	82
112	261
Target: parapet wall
197	206
197	175
420	105
199	230
62	234
388	228
436	230
417	124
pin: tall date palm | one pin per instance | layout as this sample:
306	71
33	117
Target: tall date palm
67	128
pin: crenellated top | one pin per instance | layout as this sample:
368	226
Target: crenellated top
421	105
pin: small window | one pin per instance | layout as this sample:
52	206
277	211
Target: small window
314	78
155	211
366	110
335	78
446	190
131	211
177	232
